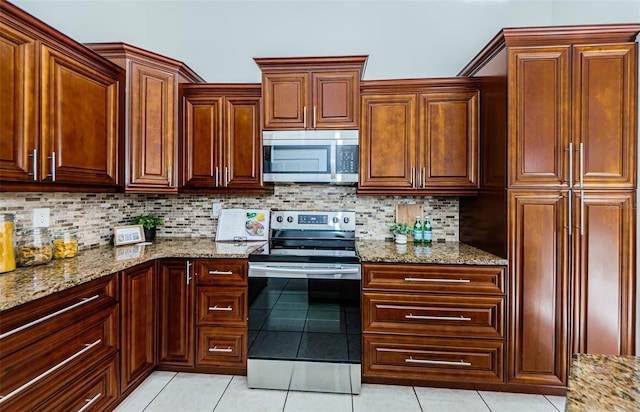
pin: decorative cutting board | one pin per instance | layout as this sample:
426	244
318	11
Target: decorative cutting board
408	213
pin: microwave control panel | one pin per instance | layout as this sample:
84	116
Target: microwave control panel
346	159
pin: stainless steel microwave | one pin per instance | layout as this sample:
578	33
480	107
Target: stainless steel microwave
310	156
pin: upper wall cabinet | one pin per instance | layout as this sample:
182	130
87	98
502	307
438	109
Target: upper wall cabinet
311	92
220	146
59	129
419	137
151	120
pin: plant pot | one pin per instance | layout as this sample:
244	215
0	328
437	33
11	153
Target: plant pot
149	234
401	239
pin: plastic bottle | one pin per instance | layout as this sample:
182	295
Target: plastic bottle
417	231
426	231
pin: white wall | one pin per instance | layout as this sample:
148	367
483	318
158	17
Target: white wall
403	39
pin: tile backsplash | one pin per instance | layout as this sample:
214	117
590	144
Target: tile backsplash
94	215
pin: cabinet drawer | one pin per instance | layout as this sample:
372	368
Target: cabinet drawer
427	314
434	278
227	272
28	323
221	306
432	359
56	360
94	391
223	347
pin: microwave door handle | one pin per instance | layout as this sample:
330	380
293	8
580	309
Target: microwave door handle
333	161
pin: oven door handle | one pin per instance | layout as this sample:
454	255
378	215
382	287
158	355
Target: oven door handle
329	273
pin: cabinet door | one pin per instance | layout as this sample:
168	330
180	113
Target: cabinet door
604	267
176	347
202	142
448	140
539	117
538	266
17	105
242	145
286	100
605	114
79	122
138	324
388	142
334	102
152	128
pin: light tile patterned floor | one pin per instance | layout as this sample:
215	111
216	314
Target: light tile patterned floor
193	392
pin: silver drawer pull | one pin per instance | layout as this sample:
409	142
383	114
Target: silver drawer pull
228	308
49	316
426	317
219	272
48	372
437	362
437	280
89	402
215	349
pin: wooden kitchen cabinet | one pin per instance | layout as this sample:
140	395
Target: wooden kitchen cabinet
151	122
221	142
419	137
61	130
137	324
175	314
311	92
431	324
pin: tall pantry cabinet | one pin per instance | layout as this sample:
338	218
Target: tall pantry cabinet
559	132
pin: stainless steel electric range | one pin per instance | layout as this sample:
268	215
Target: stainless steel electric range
304	305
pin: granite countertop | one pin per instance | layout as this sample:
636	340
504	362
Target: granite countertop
451	253
604	382
27	284
30	283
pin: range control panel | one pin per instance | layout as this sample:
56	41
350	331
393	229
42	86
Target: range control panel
314	220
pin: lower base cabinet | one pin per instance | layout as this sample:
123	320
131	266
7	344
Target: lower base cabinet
223	348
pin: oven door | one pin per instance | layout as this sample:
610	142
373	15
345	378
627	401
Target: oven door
304	327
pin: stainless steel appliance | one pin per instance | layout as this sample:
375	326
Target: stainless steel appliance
320	156
304	305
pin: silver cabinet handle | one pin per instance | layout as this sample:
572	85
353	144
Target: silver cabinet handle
413	175
217	175
48	372
170	176
570	195
49	316
570	165
581	165
89	402
424	177
582	214
426	317
314	117
34	154
304	117
226	176
436	362
219	272
53	166
189	272
216	308
215	349
437	280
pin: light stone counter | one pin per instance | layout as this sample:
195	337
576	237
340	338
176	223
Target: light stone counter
604	383
30	283
450	253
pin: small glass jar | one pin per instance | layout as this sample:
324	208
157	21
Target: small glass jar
35	247
65	244
7	244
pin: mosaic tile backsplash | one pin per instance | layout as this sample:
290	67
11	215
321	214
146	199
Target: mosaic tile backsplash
94	215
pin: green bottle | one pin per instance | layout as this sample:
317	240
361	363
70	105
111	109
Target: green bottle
426	231
417	231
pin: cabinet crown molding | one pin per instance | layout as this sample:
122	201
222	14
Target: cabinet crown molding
274	64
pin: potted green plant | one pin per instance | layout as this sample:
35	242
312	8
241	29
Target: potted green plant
401	231
149	223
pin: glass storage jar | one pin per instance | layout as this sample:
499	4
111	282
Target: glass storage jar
65	244
35	247
7	245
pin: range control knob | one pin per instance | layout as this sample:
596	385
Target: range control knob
290	219
335	219
346	220
279	219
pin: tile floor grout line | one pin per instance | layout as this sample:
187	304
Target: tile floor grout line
417	398
223	392
483	400
160	391
552	404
